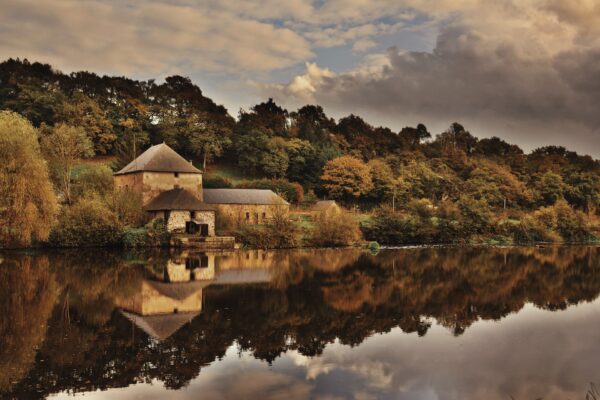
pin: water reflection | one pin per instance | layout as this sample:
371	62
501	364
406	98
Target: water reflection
75	322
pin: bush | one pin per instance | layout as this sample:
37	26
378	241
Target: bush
127	206
388	227
157	234
571	224
87	223
134	238
556	223
89	180
333	230
216	182
280	233
154	234
291	191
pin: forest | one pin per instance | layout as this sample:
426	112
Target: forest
62	135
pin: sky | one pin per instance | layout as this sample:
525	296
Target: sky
527	71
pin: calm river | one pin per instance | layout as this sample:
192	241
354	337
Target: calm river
415	323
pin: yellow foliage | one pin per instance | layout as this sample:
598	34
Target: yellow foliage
27	201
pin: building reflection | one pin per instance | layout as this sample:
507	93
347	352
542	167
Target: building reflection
172	296
111	320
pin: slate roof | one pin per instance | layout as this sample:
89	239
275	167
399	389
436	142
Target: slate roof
177	199
242	196
159	158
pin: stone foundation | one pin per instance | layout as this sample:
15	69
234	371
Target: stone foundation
203	243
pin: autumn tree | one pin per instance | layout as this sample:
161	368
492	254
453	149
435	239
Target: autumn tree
27	202
83	111
346	178
550	188
64	146
383	180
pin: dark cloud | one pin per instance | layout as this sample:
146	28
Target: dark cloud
511	78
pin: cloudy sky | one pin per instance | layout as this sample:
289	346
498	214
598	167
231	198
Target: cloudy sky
525	70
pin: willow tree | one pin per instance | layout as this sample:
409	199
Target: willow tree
27	201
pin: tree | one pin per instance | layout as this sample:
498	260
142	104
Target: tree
27	202
497	185
258	153
83	111
550	188
383	180
208	138
346	178
64	146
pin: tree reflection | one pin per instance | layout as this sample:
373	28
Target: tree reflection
267	303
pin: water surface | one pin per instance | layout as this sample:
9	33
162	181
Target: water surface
421	323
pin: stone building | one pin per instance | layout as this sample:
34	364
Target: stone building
157	170
171	189
250	206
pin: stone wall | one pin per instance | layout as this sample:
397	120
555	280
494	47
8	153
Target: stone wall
250	213
206	217
151	184
177	220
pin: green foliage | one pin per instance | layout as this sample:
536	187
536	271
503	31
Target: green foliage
89	180
27	202
63	146
384	183
348	159
260	154
87	223
291	191
216	182
335	230
154	234
280	233
550	188
134	238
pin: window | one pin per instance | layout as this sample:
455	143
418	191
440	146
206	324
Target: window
176	186
247	216
192	214
264	216
176	174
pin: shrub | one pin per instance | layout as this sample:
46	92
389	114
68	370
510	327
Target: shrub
157	234
280	233
284	232
476	215
334	230
89	180
571	224
388	227
291	191
253	236
87	223
154	234
127	206
216	182
134	238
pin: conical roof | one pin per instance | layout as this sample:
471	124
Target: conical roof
159	158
